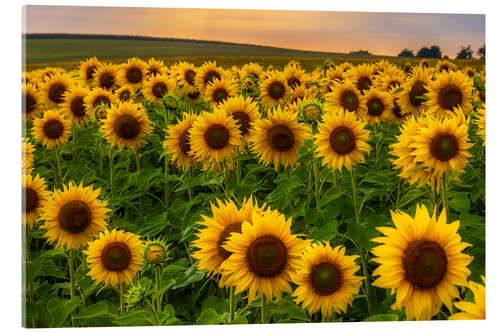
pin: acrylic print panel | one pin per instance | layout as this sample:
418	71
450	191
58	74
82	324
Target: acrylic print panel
199	166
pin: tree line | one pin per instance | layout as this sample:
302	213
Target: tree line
435	52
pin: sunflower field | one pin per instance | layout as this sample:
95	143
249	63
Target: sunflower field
184	194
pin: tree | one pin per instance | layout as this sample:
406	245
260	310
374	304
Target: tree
433	52
465	53
482	51
406	53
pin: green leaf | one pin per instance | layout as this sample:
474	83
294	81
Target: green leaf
209	317
410	196
460	202
99	309
60	310
155	225
333	193
383	317
424	98
325	232
135	318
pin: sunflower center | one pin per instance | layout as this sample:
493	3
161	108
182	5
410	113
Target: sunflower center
220	94
444	68
424	264
364	83
243	121
375	107
134	75
75	216
90	72
276	90
184	143
234	227
417	90
342	140
217	136
449	97
159	89
210	77
116	256
56	92
349	100
127	126
482	96
189	76
326	278
293	82
31	199
124	95
280	138
394	83
77	106
101	99
194	95
444	147
267	256
107	80
53	129
153	71
29	103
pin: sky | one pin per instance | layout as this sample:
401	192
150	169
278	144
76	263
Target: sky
379	33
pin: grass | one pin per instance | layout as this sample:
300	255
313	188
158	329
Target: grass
67	52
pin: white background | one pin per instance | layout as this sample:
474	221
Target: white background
10	156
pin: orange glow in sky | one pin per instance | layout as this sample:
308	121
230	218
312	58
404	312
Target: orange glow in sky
380	33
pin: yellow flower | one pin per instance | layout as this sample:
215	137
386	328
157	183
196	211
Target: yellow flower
52	129
35	197
469	310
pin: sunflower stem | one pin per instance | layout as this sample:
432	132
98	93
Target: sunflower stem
138	163
231	304
58	168
100	156
158	281
120	295
445	193
75	141
71	265
355	196
111	171
190	190
263	313
165	115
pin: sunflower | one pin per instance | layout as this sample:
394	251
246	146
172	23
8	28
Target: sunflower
333	76
73	106
115	257
362	77
126	125
125	93
480	121
412	171
390	80
99	101
311	109
294	75
378	106
396	115
193	96
219	91
30	102
469	71
442	145
421	260
47	73
35	196
445	66
74	216
52	129
279	138
156	253
251	69
244	111
213	232
185	74
300	92
157	86
52	91
274	89
476	310
178	143
326	279
214	136
106	77
448	91
423	64
347	97
27	155
413	89
263	257
88	68
207	73
341	140
155	67
133	73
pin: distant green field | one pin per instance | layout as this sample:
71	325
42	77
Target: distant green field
67	52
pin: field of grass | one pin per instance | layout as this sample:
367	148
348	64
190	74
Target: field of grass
67	52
